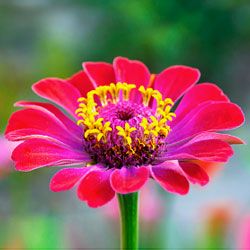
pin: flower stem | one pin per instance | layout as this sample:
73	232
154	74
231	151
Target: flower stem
129	220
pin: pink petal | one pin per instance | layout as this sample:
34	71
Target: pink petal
131	71
100	73
58	91
228	138
95	188
203	137
128	180
211	117
174	81
47	107
216	136
37	153
170	177
81	81
195	173
211	168
66	178
206	150
196	95
31	123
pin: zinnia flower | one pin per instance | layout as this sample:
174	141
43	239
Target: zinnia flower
121	129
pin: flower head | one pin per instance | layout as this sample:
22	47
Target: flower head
123	127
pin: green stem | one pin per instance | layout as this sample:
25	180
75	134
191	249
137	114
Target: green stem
129	220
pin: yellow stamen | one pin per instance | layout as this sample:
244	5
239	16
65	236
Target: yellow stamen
126	88
125	132
95	127
114	90
146	94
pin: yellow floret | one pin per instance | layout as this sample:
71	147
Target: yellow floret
125	132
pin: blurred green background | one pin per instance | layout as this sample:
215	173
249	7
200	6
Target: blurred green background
41	38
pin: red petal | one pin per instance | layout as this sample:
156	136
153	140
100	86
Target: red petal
66	178
60	92
228	138
81	81
95	188
30	123
47	107
100	73
211	168
170	177
195	173
128	180
211	117
206	136
36	153
174	81
131	71
206	150
196	95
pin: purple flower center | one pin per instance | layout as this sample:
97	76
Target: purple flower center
125	112
120	132
125	115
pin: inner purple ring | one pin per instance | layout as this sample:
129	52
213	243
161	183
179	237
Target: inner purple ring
125	112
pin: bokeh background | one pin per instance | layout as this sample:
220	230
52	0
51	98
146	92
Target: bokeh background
41	38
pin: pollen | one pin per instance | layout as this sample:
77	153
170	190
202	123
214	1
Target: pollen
115	126
125	132
146	94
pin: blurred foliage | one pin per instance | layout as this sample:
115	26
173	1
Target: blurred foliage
47	233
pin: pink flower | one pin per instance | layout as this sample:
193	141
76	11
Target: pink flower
244	234
6	149
126	131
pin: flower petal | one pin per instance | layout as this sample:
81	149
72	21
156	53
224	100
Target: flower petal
131	71
228	138
174	81
195	173
211	117
82	82
170	177
37	153
66	178
128	180
58	91
205	136
198	94
47	107
216	136
99	73
30	123
205	150
95	188
211	168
